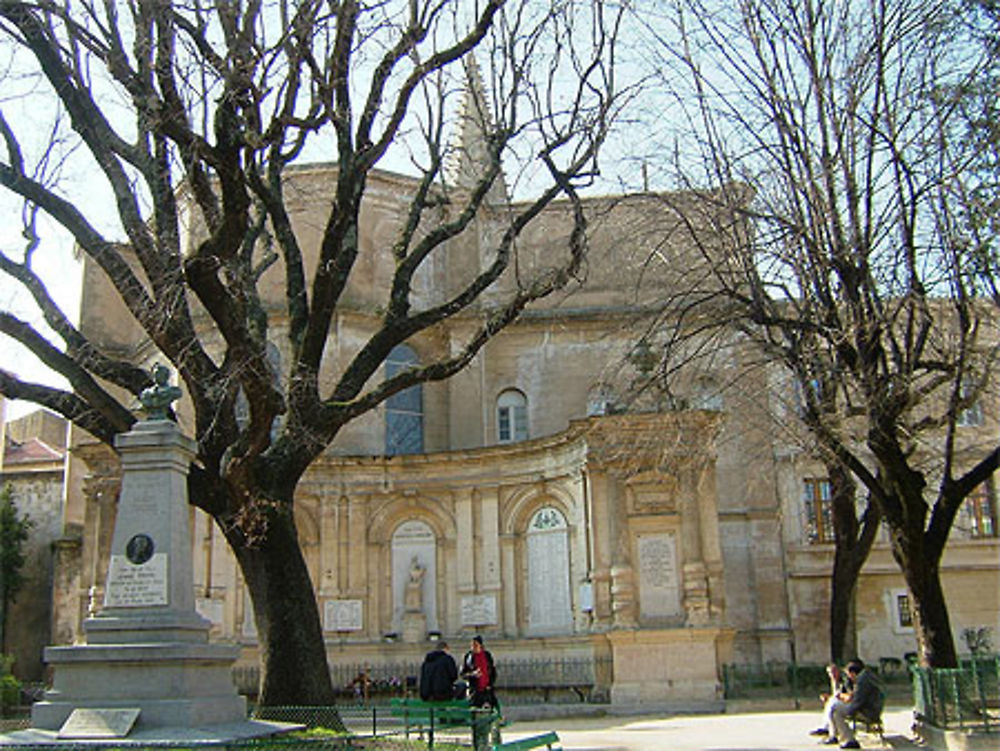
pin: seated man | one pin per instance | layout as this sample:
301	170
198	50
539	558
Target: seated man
840	691
864	700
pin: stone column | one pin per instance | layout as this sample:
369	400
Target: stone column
624	604
600	531
708	510
508	601
465	576
488	565
696	604
329	549
101	486
357	566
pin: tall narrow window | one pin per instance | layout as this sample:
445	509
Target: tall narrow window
905	614
818	510
900	611
512	416
404	411
981	511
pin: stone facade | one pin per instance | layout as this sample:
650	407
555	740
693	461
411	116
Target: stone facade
33	464
668	540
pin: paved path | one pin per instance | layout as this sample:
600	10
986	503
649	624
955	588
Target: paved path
765	731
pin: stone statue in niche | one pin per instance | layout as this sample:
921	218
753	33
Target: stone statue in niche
156	399
413	599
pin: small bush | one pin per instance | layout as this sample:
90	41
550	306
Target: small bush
10	693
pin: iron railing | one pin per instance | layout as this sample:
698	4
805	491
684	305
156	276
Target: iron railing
333	728
798	681
363	683
964	698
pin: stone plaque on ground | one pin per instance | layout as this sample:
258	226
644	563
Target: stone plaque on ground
342	615
136	586
99	723
659	592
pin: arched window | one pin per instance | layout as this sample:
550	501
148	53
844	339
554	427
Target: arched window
404	411
512	416
550	610
601	400
414	559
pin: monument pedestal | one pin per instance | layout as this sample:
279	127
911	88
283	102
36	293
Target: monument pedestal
148	648
414	628
671	666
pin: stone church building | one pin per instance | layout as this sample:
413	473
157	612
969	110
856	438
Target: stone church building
529	500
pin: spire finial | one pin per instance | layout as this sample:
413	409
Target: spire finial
469	157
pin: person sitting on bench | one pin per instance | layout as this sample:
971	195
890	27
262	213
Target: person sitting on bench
864	700
840	691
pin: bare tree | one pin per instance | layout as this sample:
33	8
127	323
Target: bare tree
191	114
824	125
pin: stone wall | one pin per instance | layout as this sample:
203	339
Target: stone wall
37	495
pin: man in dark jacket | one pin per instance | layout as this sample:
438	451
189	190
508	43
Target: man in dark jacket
864	700
438	674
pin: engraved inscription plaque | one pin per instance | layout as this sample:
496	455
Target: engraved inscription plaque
136	586
549	605
479	610
659	590
99	723
342	615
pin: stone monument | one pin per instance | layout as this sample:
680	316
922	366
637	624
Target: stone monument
147	662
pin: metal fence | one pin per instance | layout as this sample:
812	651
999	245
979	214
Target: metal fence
787	679
966	697
799	681
326	729
524	680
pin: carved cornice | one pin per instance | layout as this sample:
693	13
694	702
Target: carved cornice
664	442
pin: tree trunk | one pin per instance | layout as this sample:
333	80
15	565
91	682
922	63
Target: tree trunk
931	623
844	584
294	669
847	561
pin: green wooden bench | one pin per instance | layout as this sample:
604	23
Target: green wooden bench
549	740
428	717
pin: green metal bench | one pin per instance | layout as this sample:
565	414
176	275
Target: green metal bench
429	716
536	741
